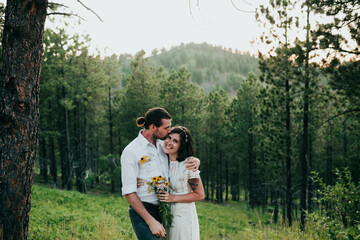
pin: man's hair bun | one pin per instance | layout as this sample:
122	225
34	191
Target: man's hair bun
140	122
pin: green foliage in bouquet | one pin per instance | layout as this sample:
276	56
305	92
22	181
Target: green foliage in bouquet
160	184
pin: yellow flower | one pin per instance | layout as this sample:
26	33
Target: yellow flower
154	179
143	159
167	184
160	178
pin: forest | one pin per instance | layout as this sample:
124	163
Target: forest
278	131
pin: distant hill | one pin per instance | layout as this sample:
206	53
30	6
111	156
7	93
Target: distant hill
212	67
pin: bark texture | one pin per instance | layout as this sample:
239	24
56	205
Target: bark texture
19	112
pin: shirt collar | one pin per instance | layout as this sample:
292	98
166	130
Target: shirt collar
144	142
159	144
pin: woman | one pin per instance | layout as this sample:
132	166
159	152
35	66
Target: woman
185	186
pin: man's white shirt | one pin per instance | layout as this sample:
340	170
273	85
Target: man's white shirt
141	159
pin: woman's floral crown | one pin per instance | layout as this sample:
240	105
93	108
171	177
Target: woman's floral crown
186	136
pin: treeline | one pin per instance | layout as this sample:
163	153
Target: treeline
295	117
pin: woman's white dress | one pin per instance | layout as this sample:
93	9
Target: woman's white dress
185	225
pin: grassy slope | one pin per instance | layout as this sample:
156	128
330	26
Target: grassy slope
58	214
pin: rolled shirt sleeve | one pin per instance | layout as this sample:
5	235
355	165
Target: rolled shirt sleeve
129	172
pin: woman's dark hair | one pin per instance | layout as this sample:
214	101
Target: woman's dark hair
153	116
186	148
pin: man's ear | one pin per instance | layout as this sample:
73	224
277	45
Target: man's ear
152	127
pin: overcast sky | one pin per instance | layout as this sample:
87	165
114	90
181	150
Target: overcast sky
131	25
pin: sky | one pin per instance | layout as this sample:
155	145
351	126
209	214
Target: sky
129	26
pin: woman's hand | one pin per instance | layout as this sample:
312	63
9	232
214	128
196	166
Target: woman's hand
166	197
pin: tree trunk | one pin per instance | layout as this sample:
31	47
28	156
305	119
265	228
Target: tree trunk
304	152
276	204
329	156
345	142
78	155
226	179
218	174
251	166
42	159
263	197
19	112
68	161
85	165
120	142
111	125
304	161
111	143
288	156
212	174
96	169
263	182
221	176
235	181
207	169
53	167
310	181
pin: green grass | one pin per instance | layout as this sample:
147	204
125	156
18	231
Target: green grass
59	214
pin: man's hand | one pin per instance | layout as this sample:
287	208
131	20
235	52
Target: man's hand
139	182
193	164
157	229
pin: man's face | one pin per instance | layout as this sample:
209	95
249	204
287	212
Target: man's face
162	131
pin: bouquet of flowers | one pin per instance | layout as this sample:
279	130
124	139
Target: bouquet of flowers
159	184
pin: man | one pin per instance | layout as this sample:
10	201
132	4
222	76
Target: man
144	158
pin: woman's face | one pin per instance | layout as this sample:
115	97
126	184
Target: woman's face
172	143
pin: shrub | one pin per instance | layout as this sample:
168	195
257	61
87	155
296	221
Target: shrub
340	206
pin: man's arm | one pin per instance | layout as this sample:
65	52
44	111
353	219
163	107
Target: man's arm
155	227
193	164
129	171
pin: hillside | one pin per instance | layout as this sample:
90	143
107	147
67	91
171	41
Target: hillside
211	67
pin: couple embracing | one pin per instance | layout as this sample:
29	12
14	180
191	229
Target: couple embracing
165	152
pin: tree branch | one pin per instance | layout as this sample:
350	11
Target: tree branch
247	2
65	14
342	113
51	4
246	11
345	51
90	10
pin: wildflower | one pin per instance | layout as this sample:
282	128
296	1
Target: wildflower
143	159
160	184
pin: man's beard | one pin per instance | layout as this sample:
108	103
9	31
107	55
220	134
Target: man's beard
157	136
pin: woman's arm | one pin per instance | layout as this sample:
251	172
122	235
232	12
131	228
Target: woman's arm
197	194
